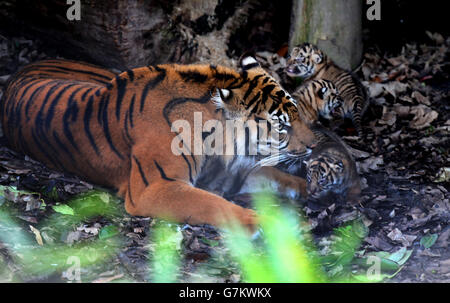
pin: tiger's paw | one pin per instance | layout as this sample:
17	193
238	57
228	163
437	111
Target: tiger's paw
247	218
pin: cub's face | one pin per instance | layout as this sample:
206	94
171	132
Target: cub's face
259	97
324	174
304	61
328	98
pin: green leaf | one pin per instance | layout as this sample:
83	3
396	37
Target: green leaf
398	255
63	209
405	257
391	262
108	232
428	240
94	203
389	265
385	264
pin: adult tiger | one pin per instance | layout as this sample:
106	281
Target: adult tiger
118	133
309	62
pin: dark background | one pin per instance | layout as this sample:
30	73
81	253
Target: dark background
268	24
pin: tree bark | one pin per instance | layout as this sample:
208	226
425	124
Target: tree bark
335	26
123	34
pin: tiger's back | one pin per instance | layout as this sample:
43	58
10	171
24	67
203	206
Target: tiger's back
46	114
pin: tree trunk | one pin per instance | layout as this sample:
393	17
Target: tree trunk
127	33
335	26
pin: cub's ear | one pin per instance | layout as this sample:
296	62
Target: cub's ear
248	61
318	58
321	92
338	166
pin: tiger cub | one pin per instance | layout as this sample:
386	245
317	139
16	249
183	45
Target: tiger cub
317	98
309	62
331	169
132	132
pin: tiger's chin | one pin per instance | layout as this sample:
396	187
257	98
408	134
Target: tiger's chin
296	72
327	197
293	74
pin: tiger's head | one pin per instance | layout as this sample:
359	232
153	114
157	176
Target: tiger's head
259	97
327	96
305	61
324	174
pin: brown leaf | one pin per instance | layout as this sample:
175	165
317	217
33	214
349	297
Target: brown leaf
37	235
402	111
421	98
393	88
370	164
389	117
423	117
397	236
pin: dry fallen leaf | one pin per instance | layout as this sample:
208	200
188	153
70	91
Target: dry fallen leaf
393	88
108	279
402	111
421	98
398	236
37	235
423	117
443	175
389	117
370	164
436	37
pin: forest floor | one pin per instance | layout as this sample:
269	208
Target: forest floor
403	160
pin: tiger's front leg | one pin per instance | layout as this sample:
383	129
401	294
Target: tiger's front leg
160	190
273	179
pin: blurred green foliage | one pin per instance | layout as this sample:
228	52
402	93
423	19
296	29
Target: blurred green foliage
283	251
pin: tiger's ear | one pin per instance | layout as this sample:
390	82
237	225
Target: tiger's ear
338	166
225	94
318	58
295	51
248	61
321	92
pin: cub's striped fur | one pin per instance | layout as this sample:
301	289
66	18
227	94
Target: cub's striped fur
317	98
116	130
308	62
331	169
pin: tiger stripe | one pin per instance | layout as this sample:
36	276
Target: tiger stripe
115	130
317	98
308	62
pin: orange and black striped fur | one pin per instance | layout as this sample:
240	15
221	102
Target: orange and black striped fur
331	169
116	130
317	98
308	62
